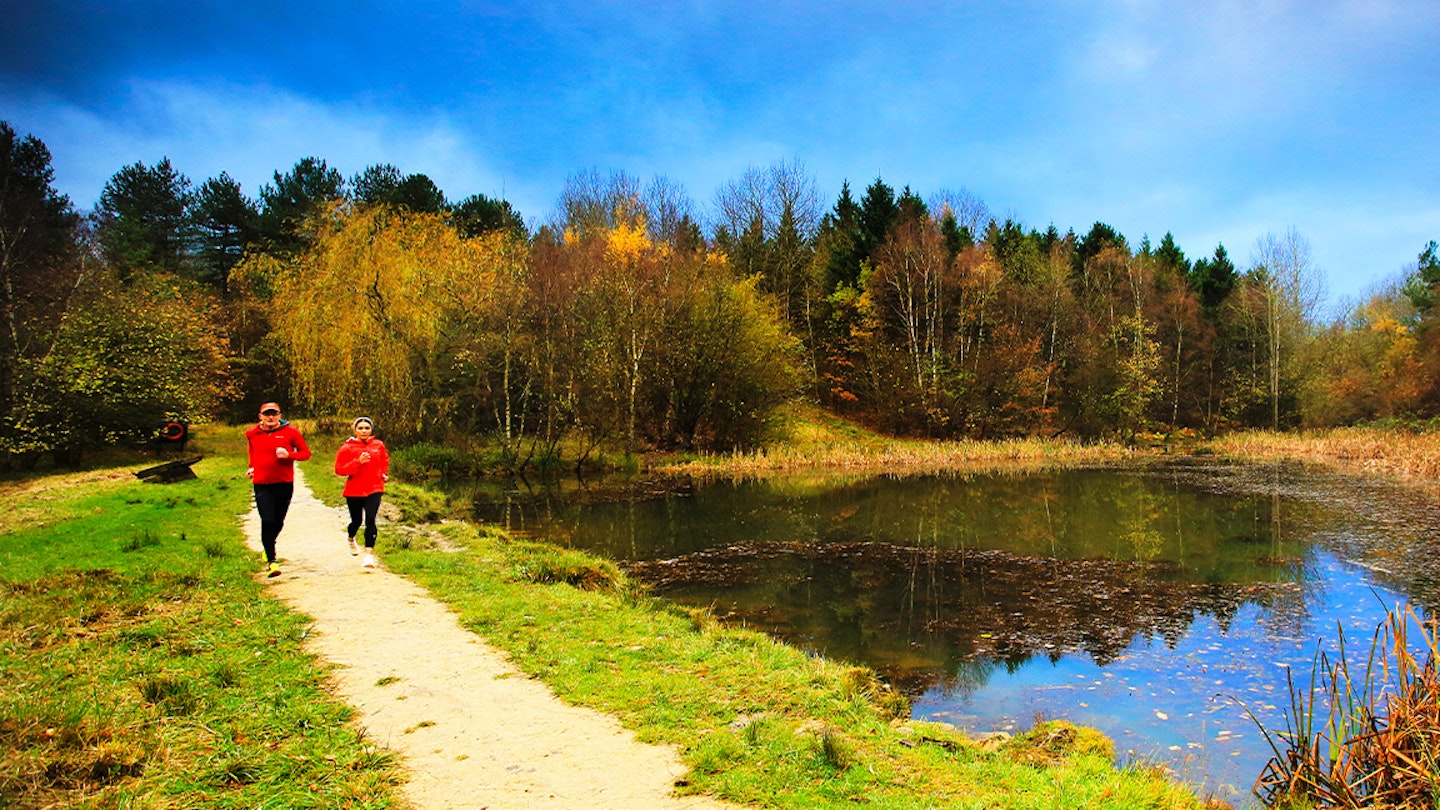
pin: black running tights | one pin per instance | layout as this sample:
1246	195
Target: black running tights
272	501
366	506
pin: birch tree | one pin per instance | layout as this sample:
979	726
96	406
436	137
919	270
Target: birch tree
1291	290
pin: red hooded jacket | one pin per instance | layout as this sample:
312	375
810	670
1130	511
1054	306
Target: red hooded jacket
265	467
369	477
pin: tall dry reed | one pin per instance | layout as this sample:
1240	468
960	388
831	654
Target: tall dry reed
1400	453
906	456
1367	738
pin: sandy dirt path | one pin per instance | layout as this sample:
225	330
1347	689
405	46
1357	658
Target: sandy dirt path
470	729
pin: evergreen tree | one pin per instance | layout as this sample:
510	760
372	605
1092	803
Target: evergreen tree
384	184
1052	237
911	207
418	193
840	236
38	261
1213	279
295	196
375	185
1100	237
1421	285
789	256
225	222
143	221
478	214
878	212
957	236
1170	256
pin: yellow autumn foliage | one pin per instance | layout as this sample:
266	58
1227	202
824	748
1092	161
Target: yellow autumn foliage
625	244
367	311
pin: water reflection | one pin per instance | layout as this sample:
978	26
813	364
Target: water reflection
915	613
1139	601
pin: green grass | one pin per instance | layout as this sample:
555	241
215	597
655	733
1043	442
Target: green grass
141	666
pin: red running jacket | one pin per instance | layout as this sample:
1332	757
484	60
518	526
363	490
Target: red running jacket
364	479
265	467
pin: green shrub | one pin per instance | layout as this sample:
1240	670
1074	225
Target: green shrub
425	459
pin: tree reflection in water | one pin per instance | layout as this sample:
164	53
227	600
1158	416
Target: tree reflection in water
914	613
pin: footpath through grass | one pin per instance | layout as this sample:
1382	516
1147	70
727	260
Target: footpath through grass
140	665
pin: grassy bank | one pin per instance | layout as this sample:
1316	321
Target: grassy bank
140	665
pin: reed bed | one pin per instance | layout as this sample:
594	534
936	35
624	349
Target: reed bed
902	456
1403	454
1363	737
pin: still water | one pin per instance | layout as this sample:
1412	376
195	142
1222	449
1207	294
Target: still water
1154	603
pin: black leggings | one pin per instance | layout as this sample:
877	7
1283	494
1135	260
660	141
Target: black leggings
272	501
366	506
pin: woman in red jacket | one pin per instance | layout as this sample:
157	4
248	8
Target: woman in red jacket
365	461
275	445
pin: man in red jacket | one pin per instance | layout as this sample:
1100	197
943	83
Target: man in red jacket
275	446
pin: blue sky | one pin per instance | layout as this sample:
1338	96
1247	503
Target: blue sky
1219	122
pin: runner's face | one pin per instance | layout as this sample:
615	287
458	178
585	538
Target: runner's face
270	417
363	430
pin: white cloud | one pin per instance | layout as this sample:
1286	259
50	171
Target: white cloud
249	132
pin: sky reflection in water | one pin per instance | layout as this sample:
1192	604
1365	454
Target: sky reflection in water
1179	704
1142	602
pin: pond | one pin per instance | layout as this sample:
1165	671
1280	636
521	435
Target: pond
1154	603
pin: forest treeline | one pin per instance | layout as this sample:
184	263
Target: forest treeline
632	318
